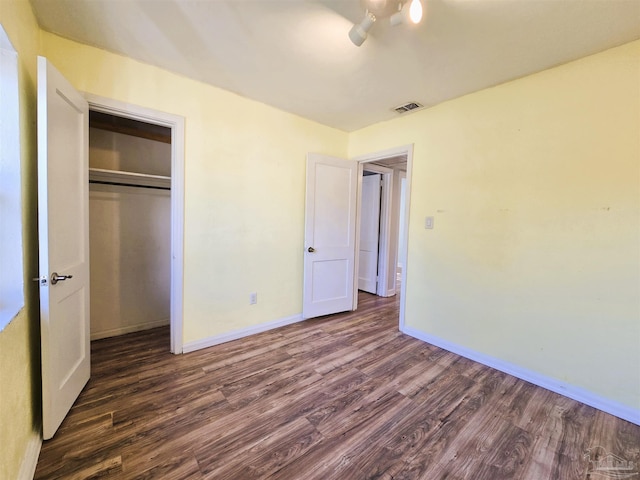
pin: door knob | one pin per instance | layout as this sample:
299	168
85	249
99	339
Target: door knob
311	249
55	278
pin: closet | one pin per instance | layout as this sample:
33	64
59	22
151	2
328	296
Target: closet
129	224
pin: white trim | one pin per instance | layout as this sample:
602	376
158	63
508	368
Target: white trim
176	123
385	235
356	256
571	391
405	226
30	458
240	333
114	332
384	154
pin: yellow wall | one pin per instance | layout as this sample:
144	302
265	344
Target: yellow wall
535	190
19	341
244	186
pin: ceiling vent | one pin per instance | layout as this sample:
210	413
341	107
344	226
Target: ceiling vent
408	107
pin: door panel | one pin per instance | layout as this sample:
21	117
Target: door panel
63	200
336	269
330	212
332	209
369	233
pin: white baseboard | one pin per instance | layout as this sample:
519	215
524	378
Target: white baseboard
30	459
241	333
114	332
576	393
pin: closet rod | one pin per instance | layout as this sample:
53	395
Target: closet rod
118	184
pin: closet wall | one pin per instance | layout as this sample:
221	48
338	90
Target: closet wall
130	228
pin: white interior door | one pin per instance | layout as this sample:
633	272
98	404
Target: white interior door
63	214
330	227
369	233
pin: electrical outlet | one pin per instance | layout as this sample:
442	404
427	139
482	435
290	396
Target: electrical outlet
253	298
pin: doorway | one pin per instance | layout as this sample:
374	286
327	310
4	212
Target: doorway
395	168
376	240
152	195
388	206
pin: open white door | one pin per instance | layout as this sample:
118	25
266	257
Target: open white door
369	233
63	215
330	227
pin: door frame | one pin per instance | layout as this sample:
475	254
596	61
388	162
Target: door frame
404	150
176	124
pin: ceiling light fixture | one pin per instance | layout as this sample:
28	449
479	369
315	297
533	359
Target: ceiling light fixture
358	33
395	10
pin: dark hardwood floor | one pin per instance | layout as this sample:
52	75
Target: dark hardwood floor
340	397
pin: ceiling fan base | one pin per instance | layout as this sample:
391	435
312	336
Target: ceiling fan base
382	8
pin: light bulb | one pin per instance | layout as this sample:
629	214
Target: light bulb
415	11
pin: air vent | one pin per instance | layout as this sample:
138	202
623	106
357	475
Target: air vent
407	107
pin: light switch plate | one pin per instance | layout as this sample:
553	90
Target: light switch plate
428	223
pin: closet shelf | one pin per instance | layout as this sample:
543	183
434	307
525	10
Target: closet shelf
117	177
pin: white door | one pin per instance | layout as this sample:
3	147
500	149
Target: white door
330	228
369	233
63	215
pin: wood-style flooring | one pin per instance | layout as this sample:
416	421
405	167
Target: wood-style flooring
341	397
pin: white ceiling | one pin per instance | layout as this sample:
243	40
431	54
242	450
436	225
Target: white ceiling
295	54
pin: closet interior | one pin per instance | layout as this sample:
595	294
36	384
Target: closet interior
129	224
